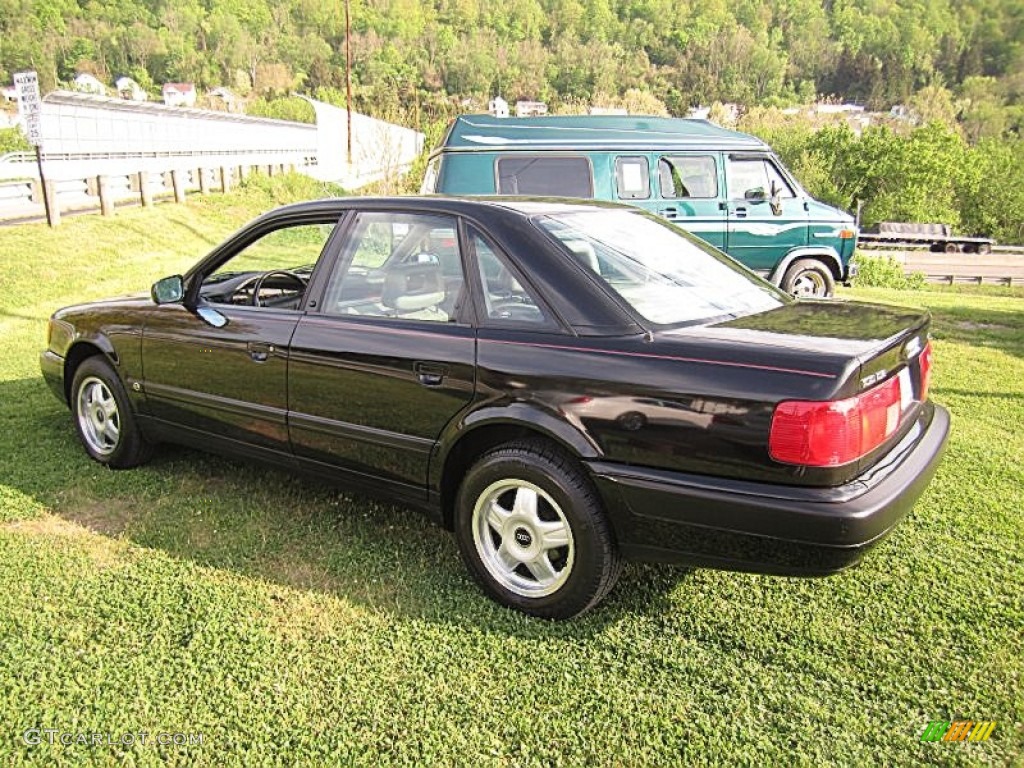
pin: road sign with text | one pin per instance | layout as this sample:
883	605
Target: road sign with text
30	106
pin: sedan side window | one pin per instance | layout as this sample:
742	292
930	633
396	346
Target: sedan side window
399	265
273	271
506	300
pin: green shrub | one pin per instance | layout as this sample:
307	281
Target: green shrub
289	188
885	272
288	108
13	140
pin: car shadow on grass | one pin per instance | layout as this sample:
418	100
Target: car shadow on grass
266	524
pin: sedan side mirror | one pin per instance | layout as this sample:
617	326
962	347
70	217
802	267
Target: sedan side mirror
169	290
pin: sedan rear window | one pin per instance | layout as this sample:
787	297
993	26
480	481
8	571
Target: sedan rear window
666	275
545	176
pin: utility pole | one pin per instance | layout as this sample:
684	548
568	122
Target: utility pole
348	77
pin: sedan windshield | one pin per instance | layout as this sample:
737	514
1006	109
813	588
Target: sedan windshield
664	274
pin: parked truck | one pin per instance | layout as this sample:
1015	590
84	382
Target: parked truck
937	237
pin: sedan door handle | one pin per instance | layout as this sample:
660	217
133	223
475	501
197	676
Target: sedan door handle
430	374
259	351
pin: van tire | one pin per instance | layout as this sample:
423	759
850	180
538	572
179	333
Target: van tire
809	278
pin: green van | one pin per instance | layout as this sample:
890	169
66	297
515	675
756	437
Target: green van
726	187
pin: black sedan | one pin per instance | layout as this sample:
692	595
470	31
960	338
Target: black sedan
565	385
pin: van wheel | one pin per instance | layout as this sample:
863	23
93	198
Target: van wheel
532	532
809	278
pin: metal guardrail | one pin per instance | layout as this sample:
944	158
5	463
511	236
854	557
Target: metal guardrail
22	200
29	157
1003	266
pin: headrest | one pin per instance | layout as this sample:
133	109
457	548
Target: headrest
411	287
584	251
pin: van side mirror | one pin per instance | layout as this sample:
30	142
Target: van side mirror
755	195
776	200
169	290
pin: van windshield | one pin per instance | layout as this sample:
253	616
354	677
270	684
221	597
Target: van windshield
666	275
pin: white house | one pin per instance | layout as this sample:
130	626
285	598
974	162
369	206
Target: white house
825	108
225	96
86	83
9	93
129	90
531	108
179	94
498	107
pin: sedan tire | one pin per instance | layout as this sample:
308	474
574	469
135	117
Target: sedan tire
103	417
532	531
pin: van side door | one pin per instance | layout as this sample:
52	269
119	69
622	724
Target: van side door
766	217
690	192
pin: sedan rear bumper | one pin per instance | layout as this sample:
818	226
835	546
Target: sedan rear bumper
736	525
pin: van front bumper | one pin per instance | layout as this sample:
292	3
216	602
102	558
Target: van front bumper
682	519
850	272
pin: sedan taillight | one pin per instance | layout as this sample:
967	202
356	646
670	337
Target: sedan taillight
926	370
835	432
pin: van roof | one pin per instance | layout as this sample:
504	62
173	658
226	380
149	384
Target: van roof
576	132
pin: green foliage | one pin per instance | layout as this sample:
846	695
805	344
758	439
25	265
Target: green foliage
13	140
992	199
929	174
911	179
287	108
288	187
885	272
681	52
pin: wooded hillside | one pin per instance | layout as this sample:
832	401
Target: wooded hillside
429	54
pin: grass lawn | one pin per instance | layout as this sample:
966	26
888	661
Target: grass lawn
290	623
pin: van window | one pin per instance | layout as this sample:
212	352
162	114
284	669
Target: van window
688	176
632	178
555	176
748	176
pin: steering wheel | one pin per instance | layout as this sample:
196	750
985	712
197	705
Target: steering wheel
258	285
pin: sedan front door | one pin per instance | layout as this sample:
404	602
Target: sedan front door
218	369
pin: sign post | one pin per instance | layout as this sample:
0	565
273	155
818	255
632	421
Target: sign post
30	106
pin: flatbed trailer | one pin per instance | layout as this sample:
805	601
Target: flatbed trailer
937	237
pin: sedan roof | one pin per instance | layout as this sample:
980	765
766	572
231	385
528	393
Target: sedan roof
579	301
